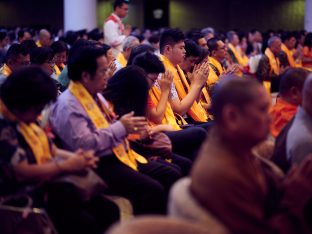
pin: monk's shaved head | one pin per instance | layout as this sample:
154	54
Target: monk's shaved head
292	77
232	90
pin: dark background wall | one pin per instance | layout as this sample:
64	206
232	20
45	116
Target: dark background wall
186	14
245	14
37	13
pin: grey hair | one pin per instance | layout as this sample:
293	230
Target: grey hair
128	42
272	40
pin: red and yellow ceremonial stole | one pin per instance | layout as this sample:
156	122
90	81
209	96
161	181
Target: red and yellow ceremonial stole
169	117
112	17
5	70
237	55
122	60
289	55
196	111
124	154
34	136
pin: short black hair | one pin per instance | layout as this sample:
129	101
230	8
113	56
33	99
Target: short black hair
154	38
84	60
149	62
106	48
119	3
196	35
139	50
292	77
41	55
192	49
170	37
29	45
212	44
287	35
26	88
232	90
203	55
59	47
128	90
14	51
20	34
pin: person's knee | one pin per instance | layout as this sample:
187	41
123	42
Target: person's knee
199	134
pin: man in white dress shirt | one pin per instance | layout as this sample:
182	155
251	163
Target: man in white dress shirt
114	30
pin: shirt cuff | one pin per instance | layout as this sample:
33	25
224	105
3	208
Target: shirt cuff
118	130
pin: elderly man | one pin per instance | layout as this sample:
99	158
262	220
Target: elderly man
129	43
243	191
44	38
270	68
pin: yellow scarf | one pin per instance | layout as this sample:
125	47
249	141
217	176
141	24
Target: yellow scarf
289	54
57	70
128	157
205	97
34	136
5	70
38	43
122	60
274	62
196	111
169	117
213	77
237	55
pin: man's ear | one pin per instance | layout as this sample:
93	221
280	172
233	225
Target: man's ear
213	53
296	95
85	77
230	117
167	49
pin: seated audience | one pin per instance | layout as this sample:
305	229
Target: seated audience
81	119
127	91
27	148
185	142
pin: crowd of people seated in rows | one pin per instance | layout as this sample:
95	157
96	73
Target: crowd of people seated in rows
169	105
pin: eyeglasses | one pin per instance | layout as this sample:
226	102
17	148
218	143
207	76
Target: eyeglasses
152	77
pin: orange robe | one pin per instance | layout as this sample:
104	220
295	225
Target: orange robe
282	112
308	54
